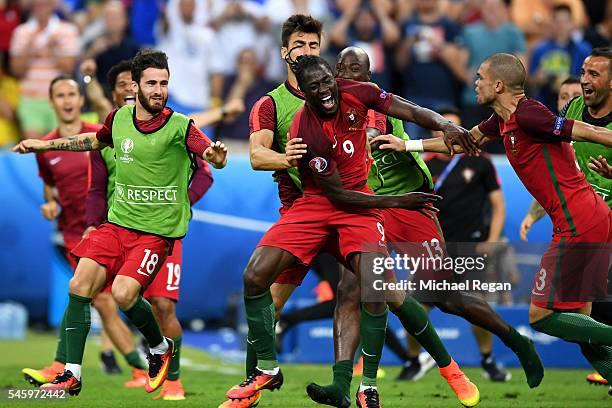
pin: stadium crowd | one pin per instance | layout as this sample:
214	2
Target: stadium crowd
425	50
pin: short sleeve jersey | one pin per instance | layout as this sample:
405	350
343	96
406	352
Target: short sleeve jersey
537	146
339	143
68	173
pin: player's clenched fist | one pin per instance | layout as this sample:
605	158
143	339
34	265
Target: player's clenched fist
50	210
216	154
294	150
30	146
456	135
421	202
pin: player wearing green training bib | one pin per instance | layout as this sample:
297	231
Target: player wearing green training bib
414	234
150	209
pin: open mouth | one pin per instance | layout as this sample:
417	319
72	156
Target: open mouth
328	102
130	100
68	110
587	92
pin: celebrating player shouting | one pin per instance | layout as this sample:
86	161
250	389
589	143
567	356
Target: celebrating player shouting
336	201
537	146
153	148
402	173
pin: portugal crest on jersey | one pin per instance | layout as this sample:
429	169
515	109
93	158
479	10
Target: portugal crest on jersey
513	147
318	164
353	119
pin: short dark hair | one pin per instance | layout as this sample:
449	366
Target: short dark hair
148	58
509	69
62	77
605	52
562	7
304	64
571	80
113	73
299	23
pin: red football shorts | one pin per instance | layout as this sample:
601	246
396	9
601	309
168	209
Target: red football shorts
306	227
574	270
74	261
124	252
167	282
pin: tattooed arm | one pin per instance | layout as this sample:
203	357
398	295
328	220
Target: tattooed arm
79	143
535	212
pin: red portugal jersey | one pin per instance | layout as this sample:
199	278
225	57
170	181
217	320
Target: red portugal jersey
339	143
67	172
538	148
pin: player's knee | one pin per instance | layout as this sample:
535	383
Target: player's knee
124	296
348	292
81	287
254	281
104	303
537	313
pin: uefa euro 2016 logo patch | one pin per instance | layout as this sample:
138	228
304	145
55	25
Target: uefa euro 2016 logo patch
127	145
318	164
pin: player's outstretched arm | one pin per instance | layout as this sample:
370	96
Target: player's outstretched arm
333	190
453	134
79	143
584	132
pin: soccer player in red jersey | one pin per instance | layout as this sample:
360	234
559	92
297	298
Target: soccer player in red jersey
66	174
336	200
537	147
413	228
163	292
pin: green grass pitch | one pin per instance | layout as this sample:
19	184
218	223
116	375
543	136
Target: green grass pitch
206	380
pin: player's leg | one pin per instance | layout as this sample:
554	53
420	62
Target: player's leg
163	294
117	330
88	279
107	354
602	312
417	364
484	339
346	340
373	324
266	263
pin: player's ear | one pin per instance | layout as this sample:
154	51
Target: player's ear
283	52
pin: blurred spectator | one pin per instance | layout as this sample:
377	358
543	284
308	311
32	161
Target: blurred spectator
143	18
464	11
570	88
242	24
535	17
9	100
194	57
368	25
426	59
248	84
555	58
478	41
279	10
41	49
596	10
600	35
112	45
10	17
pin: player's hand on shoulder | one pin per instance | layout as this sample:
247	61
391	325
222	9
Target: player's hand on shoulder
30	146
600	165
216	154
50	210
388	142
421	202
457	135
294	151
88	231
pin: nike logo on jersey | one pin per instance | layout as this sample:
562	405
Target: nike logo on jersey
54	161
